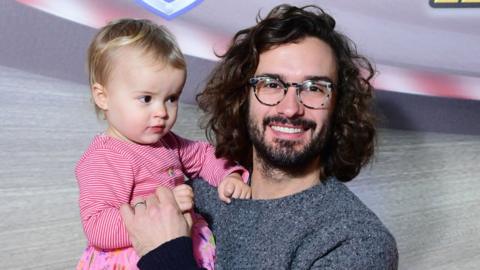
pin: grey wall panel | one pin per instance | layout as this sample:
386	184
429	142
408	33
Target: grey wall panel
424	186
426	113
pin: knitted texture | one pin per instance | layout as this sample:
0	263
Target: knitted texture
323	227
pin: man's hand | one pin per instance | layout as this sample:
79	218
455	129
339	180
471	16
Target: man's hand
233	187
156	221
184	196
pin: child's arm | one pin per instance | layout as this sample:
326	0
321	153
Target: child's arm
198	160
105	180
233	187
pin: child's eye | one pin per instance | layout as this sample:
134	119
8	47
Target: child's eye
145	99
172	99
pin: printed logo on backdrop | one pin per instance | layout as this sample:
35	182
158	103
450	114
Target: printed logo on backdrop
455	3
169	9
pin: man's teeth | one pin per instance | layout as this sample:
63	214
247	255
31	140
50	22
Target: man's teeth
286	129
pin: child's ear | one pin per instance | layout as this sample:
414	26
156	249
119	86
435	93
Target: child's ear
99	94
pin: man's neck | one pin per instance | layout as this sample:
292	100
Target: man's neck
274	183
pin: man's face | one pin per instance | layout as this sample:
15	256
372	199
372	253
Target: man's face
289	135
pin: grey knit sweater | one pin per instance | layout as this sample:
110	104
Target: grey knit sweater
324	227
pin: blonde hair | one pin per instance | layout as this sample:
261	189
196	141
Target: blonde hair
142	34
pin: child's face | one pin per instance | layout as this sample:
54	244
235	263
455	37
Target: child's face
142	97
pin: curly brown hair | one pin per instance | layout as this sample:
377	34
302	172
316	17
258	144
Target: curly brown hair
351	140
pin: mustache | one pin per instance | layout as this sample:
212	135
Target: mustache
296	122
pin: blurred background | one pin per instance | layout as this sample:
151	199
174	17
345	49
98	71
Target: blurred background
423	183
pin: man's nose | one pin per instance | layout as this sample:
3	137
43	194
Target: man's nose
290	106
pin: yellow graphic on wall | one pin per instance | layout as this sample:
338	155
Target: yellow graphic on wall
454	3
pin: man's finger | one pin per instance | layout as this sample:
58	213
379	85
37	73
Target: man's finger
185	204
139	205
189	220
152	202
165	196
126	212
185	193
183	188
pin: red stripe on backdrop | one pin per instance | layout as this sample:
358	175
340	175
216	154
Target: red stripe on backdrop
194	39
426	83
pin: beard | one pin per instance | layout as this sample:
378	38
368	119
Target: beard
283	155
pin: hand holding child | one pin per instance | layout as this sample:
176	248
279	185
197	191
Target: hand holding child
156	220
233	187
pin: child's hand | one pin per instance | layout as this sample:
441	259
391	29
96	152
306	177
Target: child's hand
184	196
233	187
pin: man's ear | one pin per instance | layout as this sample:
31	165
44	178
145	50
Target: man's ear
99	95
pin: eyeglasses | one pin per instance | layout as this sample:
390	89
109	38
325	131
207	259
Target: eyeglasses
313	94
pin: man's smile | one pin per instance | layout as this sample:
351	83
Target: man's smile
284	129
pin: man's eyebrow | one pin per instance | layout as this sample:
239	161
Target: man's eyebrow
271	75
281	78
319	78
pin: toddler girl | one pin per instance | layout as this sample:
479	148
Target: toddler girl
137	73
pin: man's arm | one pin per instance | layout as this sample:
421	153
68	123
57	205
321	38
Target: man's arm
174	254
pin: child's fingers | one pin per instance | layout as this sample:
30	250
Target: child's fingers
224	192
229	189
249	193
237	192
245	193
223	197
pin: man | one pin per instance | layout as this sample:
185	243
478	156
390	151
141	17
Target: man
289	102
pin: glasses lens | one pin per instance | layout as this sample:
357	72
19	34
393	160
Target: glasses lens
269	91
315	94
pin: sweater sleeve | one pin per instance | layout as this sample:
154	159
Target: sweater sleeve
199	160
377	252
174	254
105	180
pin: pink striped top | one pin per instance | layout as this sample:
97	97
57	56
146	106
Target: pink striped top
112	172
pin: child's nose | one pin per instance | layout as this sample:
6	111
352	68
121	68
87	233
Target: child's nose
161	111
